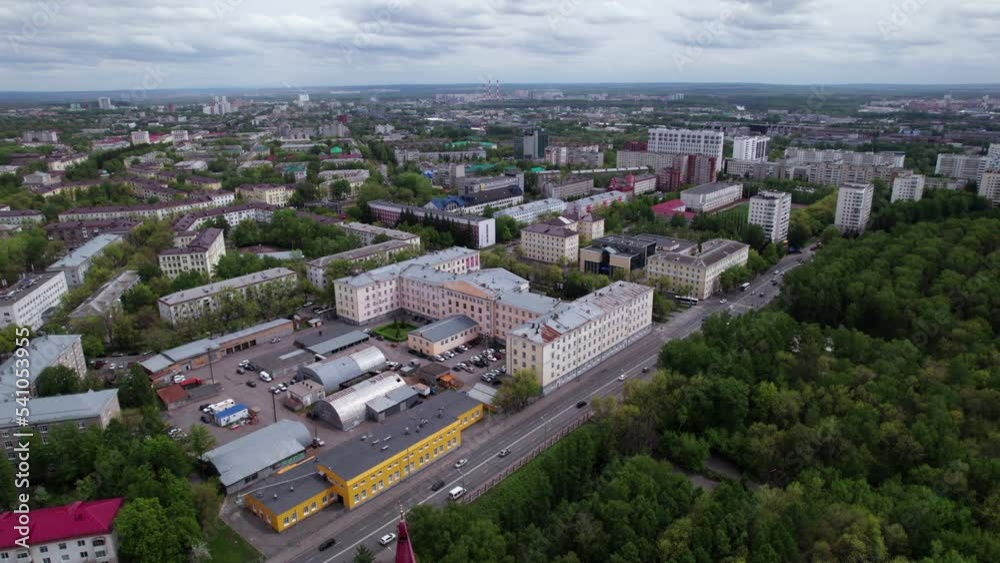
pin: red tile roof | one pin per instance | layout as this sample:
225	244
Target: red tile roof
77	520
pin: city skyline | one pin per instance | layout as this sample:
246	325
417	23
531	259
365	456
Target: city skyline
183	44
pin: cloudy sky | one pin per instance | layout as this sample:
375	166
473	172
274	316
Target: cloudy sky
124	44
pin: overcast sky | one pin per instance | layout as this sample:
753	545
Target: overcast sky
125	44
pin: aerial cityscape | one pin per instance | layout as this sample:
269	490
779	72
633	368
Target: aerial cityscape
404	283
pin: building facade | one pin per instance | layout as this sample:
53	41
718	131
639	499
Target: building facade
687	141
551	242
586	205
753	148
381	252
695	269
961	166
710	197
568	189
854	207
192	303
76	263
989	187
81	532
441	336
530	212
270	194
908	187
201	255
80	411
27	302
44	352
771	211
482	230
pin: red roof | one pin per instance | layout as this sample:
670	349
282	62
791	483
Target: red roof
171	394
404	549
671	207
77	520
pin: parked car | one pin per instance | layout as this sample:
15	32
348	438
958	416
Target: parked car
282	387
240	371
275	340
387	539
621	377
581	404
251	383
461	463
266	377
438	485
504	453
318	443
327	544
207	419
645	370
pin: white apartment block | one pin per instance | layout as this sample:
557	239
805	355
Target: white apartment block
573	337
76	263
989	187
531	212
201	255
854	207
161	210
270	194
139	137
654	160
367	233
590	228
43	352
191	303
771	211
552	241
586	205
25	303
382	252
81	532
994	151
751	148
709	197
574	187
687	141
961	166
908	187
21	217
794	155
698	270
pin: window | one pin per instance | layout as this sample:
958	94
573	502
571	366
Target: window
100	554
43	549
62	546
81	543
65	557
84	554
98	541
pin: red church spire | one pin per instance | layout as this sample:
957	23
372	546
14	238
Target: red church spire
404	551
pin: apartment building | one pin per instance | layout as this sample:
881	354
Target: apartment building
75	234
233	215
28	302
476	203
192	303
81	532
584	155
710	197
989	187
530	212
482	230
163	210
139	137
634	185
797	155
854	207
590	228
586	205
908	186
77	262
838	173
21	217
278	196
568	189
756	170
687	141
697	268
771	211
754	148
43	351
383	252
40	137
368	233
200	255
654	160
80	411
961	166
108	297
573	337
552	242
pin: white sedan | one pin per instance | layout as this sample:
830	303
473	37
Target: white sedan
387	539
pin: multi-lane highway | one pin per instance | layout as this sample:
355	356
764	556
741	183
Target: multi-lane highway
521	432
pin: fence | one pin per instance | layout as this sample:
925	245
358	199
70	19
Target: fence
523	460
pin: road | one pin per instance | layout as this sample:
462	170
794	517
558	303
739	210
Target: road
524	431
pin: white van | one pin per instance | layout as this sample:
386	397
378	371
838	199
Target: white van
456	493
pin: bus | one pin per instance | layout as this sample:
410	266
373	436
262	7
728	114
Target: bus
744	286
686	300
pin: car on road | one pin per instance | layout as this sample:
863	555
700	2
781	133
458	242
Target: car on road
645	370
438	485
387	539
283	387
723	301
251	383
327	544
762	294
265	377
318	443
621	377
581	404
461	463
504	453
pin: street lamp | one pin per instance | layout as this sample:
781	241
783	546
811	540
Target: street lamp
211	370
462	473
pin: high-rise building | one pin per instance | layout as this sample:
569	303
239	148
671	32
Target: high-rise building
139	137
104	103
961	166
989	187
908	186
854	207
751	148
687	141
771	211
533	144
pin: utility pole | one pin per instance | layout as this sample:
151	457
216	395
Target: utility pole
211	370
274	407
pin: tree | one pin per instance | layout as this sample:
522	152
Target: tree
508	229
517	393
147	533
8	491
207	502
58	380
364	555
199	441
134	391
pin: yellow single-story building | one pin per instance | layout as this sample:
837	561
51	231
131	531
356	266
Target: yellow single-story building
441	336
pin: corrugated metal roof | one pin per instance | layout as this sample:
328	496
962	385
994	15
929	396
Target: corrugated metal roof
333	373
348	406
63	407
447	327
245	456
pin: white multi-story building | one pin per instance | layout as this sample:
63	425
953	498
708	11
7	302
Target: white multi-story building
180	136
795	155
751	148
381	252
709	197
82	532
585	206
367	233
104	103
989	187
191	303
76	263
573	187
771	211
552	241
687	141
200	255
961	166
854	207
27	302
530	212
40	136
270	194
43	352
908	186
573	337
482	230
139	137
837	173
160	210
697	268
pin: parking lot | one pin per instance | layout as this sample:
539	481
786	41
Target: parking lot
270	407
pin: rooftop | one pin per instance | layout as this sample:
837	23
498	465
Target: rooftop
362	253
91	248
711	188
233	284
547	228
392	271
444	328
283	491
526	300
712	251
23	288
199	347
352	458
245	456
60	408
43	351
567	317
107	296
77	520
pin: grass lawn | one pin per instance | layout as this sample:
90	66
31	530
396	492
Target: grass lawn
395	332
226	546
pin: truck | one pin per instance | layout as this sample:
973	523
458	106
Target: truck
190	382
233	414
218	407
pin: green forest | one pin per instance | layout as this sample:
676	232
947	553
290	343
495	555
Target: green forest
861	409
